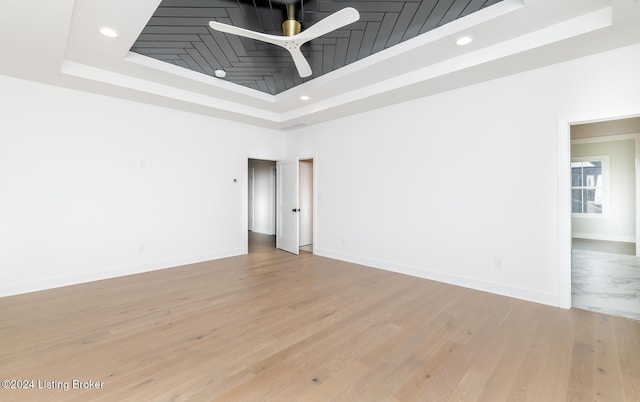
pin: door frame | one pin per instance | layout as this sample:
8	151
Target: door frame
564	191
245	197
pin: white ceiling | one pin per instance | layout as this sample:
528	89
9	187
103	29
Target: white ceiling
58	42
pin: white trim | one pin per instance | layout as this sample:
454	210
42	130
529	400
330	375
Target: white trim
56	282
605	237
439	276
564	213
606	138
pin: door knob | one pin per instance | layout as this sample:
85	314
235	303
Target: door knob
295	210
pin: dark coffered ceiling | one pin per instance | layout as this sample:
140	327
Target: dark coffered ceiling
178	33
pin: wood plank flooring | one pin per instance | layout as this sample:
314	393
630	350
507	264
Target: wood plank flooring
271	326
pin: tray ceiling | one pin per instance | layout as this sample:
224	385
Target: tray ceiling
59	43
178	34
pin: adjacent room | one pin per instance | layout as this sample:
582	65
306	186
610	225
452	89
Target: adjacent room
605	261
319	200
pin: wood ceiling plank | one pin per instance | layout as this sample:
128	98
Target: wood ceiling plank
275	58
177	30
388	23
206	53
165	44
437	15
287	78
215	50
324	41
369	39
371	17
182	63
262	86
204	64
192	63
455	11
354	46
166	57
228	50
209	12
402	24
158	50
328	58
277	79
419	18
147	37
341	53
362	6
473	6
180	21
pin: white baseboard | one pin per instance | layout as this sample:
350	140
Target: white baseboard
56	282
550	299
472	283
596	236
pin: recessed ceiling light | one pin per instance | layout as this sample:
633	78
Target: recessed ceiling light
220	73
304	98
110	32
464	40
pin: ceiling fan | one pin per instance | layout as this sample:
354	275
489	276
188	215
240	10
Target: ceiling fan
292	38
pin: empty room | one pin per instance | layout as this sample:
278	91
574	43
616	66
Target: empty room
283	200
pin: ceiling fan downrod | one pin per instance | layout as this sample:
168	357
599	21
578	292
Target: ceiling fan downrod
291	26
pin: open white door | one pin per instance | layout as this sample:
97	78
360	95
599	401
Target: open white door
287	227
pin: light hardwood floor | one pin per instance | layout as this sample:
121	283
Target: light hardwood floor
271	326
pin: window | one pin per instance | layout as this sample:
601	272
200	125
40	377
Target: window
589	180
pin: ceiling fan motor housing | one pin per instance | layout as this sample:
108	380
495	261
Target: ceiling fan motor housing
290	27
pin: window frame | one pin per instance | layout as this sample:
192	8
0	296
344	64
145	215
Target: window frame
606	185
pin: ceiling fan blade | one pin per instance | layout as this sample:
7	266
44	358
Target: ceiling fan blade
335	21
273	39
302	65
292	43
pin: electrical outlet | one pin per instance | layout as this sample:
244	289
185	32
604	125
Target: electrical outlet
498	263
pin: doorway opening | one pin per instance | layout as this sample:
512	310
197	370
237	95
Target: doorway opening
605	261
261	204
263	190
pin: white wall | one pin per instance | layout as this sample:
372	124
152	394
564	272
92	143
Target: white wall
264	196
437	187
442	186
619	222
93	187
